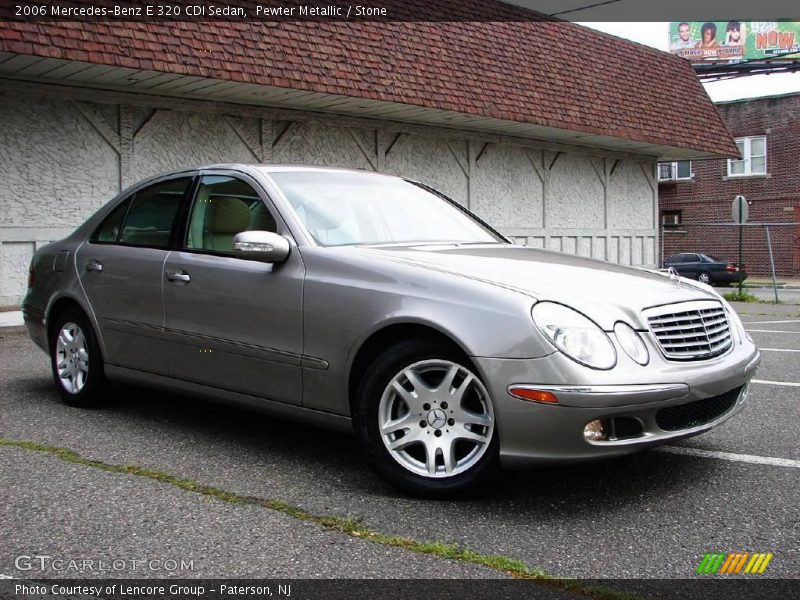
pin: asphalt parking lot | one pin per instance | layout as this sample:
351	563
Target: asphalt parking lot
158	477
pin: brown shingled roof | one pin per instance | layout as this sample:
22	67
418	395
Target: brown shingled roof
553	74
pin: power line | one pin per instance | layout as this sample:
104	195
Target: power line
572	10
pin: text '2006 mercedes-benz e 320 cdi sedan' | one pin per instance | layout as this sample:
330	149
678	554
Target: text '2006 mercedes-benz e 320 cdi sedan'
374	303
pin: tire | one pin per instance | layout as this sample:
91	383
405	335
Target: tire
76	362
704	277
452	435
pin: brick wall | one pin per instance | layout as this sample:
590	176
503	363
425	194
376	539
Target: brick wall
774	199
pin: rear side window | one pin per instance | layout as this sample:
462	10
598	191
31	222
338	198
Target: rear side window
109	229
153	213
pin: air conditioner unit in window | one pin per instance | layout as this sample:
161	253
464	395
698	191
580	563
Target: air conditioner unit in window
670	220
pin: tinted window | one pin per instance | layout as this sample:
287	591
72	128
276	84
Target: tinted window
675	259
153	212
223	207
110	227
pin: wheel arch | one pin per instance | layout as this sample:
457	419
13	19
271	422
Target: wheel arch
386	336
59	305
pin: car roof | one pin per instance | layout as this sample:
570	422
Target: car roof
280	168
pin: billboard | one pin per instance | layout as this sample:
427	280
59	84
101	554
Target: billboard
734	41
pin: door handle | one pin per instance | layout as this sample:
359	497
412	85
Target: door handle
179	275
94	265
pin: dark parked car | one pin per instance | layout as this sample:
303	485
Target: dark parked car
706	268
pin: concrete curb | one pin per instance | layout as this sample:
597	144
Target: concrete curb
11	319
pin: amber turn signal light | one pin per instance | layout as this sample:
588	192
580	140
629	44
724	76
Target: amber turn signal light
533	395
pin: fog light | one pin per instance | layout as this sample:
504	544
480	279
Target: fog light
595	432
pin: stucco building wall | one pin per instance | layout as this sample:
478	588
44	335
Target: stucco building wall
62	158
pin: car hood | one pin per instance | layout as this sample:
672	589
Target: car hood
605	292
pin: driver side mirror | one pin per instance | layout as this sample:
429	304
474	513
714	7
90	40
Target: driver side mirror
263	246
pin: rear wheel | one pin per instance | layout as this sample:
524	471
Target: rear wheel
76	361
704	277
425	420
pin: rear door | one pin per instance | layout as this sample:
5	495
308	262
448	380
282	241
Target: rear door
231	323
120	269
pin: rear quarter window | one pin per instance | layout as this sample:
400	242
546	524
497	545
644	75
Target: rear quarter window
108	231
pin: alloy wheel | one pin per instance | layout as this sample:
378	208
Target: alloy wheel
72	358
436	418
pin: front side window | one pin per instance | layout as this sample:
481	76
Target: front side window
153	213
343	208
754	157
223	207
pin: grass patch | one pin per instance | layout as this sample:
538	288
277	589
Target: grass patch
511	566
742	296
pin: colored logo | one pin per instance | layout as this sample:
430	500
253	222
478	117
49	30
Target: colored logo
754	563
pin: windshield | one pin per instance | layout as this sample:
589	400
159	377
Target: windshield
341	208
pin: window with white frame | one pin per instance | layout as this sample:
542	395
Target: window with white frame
754	157
675	171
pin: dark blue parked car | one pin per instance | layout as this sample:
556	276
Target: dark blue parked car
706	268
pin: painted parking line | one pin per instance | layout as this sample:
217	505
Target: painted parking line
729	456
5	576
778	350
773	331
769	322
768	382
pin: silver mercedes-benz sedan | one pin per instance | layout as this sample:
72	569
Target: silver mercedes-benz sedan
375	304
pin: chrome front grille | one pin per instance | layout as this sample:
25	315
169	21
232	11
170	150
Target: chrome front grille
690	330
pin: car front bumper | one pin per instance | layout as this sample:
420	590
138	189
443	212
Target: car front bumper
539	433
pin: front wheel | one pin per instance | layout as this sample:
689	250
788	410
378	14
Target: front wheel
76	361
425	420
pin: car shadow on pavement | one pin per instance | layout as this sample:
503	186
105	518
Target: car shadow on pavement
303	461
316	458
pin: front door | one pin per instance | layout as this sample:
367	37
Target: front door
121	267
231	323
691	266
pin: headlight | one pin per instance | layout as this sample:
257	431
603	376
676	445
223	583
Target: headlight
575	335
631	342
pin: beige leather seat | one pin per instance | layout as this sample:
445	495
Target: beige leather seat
225	217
